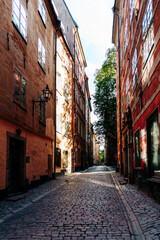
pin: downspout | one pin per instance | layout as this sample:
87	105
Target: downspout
55	100
74	79
119	83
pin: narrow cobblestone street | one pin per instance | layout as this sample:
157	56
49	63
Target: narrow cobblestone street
87	205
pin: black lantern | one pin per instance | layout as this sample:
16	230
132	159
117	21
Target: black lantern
44	97
46	93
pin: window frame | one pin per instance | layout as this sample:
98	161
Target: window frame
19	25
137	145
131	3
134	69
18	101
126	35
42	11
43	54
147	31
66	93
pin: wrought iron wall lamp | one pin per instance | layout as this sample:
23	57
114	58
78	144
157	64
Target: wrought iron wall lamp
45	97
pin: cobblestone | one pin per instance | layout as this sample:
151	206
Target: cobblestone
82	206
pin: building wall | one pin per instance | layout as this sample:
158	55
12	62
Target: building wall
141	94
64	104
21	54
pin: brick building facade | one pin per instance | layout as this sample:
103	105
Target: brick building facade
138	90
27	43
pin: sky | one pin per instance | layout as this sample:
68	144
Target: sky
94	19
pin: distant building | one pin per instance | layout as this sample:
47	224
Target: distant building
88	109
96	150
78	104
64	82
138	91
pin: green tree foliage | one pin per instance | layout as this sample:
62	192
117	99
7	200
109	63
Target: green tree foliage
102	156
104	98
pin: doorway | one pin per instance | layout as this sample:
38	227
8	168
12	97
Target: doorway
153	145
16	169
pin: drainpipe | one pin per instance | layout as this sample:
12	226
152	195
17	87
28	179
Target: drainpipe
55	100
74	79
119	83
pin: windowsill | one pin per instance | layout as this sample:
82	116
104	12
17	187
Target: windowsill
18	104
42	67
19	32
42	19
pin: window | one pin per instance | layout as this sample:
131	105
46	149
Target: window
67	63
137	149
66	128
59	47
131	10
19	17
147	31
75	94
127	92
65	159
19	88
122	58
126	36
134	68
59	123
123	105
58	157
42	112
41	54
42	10
59	83
66	93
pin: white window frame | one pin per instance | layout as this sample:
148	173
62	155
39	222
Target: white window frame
134	68
59	123
127	92
59	83
147	31
126	36
67	62
42	10
131	10
19	17
41	54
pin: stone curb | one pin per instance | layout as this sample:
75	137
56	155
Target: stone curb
134	226
37	199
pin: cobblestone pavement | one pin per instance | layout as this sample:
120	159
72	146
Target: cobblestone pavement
90	205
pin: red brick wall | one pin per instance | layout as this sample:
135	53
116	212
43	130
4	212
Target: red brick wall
38	137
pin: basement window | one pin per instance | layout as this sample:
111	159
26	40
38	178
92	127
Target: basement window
19	17
147	31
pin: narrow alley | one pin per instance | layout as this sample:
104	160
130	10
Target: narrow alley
87	205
